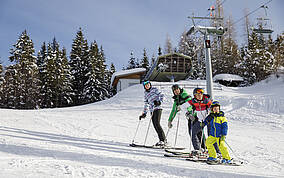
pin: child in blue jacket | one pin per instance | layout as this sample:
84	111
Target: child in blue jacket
217	133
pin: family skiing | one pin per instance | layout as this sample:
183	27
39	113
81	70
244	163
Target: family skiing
200	112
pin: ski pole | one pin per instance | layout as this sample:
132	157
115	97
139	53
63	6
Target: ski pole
202	135
167	133
136	131
147	130
232	150
190	135
177	130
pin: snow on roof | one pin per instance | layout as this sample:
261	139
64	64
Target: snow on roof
126	72
227	77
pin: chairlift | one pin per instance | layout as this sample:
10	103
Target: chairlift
263	24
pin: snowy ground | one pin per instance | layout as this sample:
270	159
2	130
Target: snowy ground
92	140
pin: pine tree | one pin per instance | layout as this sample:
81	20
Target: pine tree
103	76
66	92
145	62
111	72
159	51
187	46
92	89
41	62
1	86
168	45
257	62
132	62
28	89
79	67
153	59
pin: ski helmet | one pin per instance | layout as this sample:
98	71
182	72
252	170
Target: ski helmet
198	90
146	82
215	103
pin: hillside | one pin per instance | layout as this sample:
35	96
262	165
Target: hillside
92	140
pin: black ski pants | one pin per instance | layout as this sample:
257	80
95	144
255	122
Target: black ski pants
156	117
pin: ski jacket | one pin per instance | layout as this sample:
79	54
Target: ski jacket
153	94
201	107
218	124
179	100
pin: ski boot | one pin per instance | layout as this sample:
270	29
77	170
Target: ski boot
212	160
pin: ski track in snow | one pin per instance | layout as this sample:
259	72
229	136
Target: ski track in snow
92	140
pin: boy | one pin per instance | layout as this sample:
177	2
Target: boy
218	131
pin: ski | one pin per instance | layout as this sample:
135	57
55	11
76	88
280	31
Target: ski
218	162
232	163
197	159
178	156
155	147
176	152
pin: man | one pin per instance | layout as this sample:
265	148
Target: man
153	99
181	99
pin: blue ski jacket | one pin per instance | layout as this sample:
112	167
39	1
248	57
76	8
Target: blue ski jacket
218	124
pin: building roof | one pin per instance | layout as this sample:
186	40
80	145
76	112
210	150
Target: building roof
227	77
124	73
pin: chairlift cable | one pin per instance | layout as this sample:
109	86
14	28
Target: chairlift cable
252	12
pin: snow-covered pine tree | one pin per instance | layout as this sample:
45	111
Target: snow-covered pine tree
79	61
153	59
92	89
132	62
187	46
28	87
227	57
1	86
112	70
41	62
102	77
168	45
51	76
144	61
11	96
66	92
277	49
257	62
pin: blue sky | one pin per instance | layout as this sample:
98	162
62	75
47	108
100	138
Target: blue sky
120	26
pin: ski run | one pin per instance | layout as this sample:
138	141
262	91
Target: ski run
93	140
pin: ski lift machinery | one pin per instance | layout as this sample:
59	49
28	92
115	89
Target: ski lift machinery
207	31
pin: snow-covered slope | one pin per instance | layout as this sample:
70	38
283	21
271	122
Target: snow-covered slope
92	140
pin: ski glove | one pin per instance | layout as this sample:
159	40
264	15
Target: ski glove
142	116
189	116
170	125
223	137
157	103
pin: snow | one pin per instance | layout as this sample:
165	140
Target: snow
227	77
126	72
92	140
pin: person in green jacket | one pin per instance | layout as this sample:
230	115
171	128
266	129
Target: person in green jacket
181	99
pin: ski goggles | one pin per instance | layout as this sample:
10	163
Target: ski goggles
145	83
200	91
